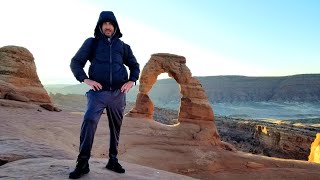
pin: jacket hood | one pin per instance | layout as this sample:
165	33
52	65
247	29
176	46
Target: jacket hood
107	16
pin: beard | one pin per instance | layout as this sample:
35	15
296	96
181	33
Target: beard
108	32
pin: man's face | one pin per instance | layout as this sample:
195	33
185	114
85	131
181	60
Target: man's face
107	29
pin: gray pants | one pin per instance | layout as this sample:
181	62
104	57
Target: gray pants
114	102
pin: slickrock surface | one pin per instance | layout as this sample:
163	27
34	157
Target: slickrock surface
29	133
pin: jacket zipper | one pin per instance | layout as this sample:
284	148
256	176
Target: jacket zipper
110	68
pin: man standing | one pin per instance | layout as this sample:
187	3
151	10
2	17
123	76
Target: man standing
108	79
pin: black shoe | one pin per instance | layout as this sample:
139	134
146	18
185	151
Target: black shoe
116	167
81	169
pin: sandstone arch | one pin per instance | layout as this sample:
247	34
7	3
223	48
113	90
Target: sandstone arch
194	102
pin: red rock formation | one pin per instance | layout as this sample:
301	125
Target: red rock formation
315	150
18	77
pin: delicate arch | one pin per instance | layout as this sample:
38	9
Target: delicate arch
194	102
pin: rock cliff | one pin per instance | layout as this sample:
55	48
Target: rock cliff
282	140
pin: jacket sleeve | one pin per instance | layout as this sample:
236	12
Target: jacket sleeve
132	63
80	59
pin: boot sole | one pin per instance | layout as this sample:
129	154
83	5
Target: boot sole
115	170
86	171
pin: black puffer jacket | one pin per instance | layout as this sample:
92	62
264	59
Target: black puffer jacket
107	58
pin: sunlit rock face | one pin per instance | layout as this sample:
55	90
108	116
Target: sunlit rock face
19	80
315	150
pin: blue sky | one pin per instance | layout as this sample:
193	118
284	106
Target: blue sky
267	31
225	37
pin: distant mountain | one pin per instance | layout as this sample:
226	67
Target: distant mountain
297	88
228	89
67	88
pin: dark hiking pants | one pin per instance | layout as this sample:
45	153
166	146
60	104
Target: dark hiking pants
114	102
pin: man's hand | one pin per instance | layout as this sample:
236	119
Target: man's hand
127	86
93	84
